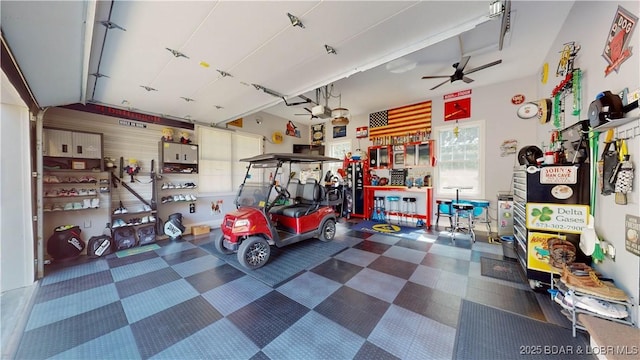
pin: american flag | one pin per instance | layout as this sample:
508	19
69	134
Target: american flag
404	120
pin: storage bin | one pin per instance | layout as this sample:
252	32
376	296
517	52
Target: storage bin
509	246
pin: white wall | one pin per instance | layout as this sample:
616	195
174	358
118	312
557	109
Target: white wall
588	25
16	227
491	104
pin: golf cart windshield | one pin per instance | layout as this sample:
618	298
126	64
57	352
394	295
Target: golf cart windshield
265	172
257	187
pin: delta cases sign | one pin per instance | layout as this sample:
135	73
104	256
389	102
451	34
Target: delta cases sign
563	218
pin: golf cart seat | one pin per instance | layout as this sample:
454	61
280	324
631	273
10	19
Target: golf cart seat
309	200
295	195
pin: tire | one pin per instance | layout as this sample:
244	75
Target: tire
218	243
254	252
328	231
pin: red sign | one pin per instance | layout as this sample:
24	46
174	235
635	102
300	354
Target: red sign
457	94
457	109
129	115
517	99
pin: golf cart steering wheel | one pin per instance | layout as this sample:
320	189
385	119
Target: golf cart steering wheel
282	192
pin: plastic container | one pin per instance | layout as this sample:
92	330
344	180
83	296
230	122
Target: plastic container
508	246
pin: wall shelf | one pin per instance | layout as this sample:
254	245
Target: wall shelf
625	134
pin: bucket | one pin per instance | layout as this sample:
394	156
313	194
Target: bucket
508	247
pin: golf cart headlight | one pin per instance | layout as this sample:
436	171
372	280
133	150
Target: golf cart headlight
240	223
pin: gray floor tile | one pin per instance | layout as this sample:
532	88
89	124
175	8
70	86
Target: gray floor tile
301	340
134	269
209	279
197	265
356	256
220	340
155	333
152	301
383	286
405	254
69	306
114	345
309	289
144	282
73	272
72	286
236	294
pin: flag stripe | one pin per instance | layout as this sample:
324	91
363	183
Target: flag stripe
401	121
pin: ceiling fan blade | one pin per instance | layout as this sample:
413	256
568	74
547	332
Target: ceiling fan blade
463	62
442	83
436	77
483	66
466	79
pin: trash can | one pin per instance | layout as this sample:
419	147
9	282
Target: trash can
508	246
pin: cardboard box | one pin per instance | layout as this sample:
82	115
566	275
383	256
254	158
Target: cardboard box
199	230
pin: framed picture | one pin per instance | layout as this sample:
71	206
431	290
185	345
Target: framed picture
78	165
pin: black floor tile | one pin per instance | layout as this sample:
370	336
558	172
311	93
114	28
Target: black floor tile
266	318
353	309
337	270
213	278
359	234
159	331
183	256
72	286
131	259
52	339
369	351
446	263
146	282
395	267
415	245
432	303
372	246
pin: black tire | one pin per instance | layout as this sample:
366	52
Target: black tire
328	231
254	252
218	243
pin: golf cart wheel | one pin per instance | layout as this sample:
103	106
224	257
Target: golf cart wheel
328	230
219	244
254	252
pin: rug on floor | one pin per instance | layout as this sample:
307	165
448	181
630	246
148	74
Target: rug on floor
286	262
406	232
488	333
502	269
137	250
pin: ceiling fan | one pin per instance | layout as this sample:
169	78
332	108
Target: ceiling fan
310	113
460	74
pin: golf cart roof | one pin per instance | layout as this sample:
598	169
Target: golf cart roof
294	158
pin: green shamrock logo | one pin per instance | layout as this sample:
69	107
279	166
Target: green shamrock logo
542	215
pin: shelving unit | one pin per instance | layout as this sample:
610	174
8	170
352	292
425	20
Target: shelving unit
69	190
176	193
178	158
573	310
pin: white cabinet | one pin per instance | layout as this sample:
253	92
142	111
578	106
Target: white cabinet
72	144
178	158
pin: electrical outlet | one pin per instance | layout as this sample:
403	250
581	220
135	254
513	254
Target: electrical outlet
192	208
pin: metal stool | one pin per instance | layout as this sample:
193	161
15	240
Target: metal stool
409	208
393	207
463	211
378	209
443	208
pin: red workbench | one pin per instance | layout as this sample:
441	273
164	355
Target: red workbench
369	193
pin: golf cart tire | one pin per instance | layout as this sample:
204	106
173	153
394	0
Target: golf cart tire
328	231
254	252
219	244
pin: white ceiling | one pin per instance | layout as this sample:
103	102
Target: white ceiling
255	42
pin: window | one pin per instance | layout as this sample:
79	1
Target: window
460	164
337	150
220	170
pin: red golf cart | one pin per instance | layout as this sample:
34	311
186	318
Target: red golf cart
269	213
